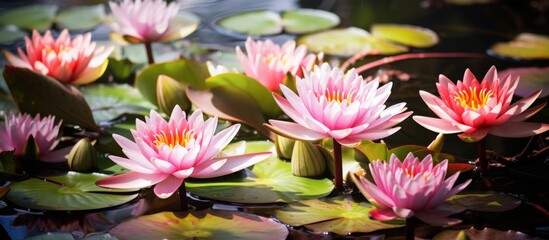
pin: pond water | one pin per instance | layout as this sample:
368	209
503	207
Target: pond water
461	28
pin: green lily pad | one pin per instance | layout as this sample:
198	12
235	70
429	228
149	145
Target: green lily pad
485	201
301	21
257	23
188	72
340	215
480	234
205	224
524	46
269	181
406	34
9	35
108	102
347	42
81	18
252	87
36	93
68	192
39	17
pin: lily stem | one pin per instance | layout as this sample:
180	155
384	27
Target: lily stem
483	162
410	228
183	206
148	48
338	167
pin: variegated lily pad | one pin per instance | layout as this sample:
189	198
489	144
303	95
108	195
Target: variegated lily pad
340	215
485	201
206	224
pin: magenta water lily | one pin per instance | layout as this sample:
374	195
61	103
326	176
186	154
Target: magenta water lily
165	153
411	188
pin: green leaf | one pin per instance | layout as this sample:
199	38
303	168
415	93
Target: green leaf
36	93
374	151
205	224
347	42
261	22
340	215
405	34
300	21
7	162
39	17
188	72
9	35
81	17
68	192
269	181
485	201
262	96
108	102
524	46
402	151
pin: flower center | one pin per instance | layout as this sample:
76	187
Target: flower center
472	98
284	59
173	138
339	96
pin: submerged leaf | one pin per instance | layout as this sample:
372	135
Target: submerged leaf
300	21
205	224
39	17
81	17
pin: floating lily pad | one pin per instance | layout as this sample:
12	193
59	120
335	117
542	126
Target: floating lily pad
81	17
257	23
10	34
347	42
340	215
39	17
107	102
206	224
68	192
301	21
481	234
270	181
524	46
485	201
405	34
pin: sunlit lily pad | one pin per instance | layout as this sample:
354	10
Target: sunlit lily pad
405	34
524	46
481	234
261	22
39	17
347	42
206	224
10	34
68	192
110	101
485	201
81	17
301	21
269	181
340	215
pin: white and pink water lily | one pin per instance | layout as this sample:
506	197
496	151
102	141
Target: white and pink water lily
147	21
332	104
476	109
17	129
268	62
411	188
77	61
165	153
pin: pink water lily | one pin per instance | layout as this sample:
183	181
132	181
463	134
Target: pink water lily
165	153
76	62
332	104
476	109
411	188
147	21
17	129
269	63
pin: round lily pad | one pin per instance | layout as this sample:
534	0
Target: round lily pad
485	201
340	215
81	17
524	46
257	23
68	192
347	42
39	17
107	102
206	224
479	234
304	20
269	181
405	34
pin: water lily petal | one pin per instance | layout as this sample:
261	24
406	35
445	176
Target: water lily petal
230	164
294	131
167	187
519	129
132	180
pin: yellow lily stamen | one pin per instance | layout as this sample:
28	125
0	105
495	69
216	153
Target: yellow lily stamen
471	98
173	138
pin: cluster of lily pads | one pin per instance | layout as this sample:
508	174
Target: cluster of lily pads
290	130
